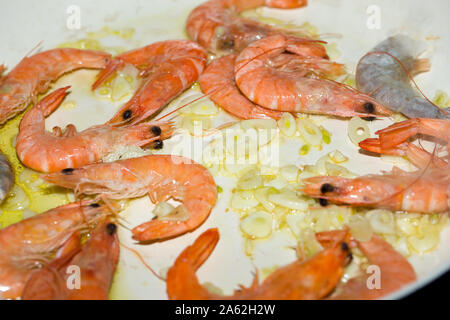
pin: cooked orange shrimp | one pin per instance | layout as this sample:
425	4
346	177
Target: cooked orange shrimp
168	68
218	82
33	76
31	243
161	177
395	271
314	278
393	141
292	91
96	260
51	152
415	192
217	26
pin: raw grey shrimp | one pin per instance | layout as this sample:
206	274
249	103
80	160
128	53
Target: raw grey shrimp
161	177
311	279
167	68
31	243
6	177
293	90
387	79
97	261
217	26
52	152
33	76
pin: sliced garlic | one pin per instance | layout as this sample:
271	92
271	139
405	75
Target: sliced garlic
163	209
290	172
310	132
257	225
360	228
243	201
337	157
262	195
287	125
288	199
358	130
381	221
179	214
250	180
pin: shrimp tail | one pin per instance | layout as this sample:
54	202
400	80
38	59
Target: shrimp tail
374	145
51	102
202	248
110	69
286	4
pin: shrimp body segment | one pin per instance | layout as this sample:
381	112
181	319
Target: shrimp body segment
311	279
52	152
407	192
218	82
29	244
96	259
292	90
168	68
6	177
159	176
385	78
217	26
33	76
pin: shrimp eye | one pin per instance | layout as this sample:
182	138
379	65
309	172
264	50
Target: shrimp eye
94	205
127	114
323	202
111	228
158	145
369	118
156	130
68	171
344	246
369	107
326	188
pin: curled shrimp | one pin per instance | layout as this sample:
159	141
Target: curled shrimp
6	177
312	279
51	152
217	26
386	72
97	261
161	177
293	90
33	76
414	192
218	82
31	243
394	270
168	68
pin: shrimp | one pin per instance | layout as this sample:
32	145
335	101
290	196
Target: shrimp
33	76
161	177
217	26
52	152
31	243
6	177
96	260
168	68
218	82
414	192
312	279
395	271
384	73
293	91
393	140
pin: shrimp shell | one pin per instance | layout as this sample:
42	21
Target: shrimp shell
33	76
381	76
6	177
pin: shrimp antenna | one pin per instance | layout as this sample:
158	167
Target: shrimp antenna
141	259
35	48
